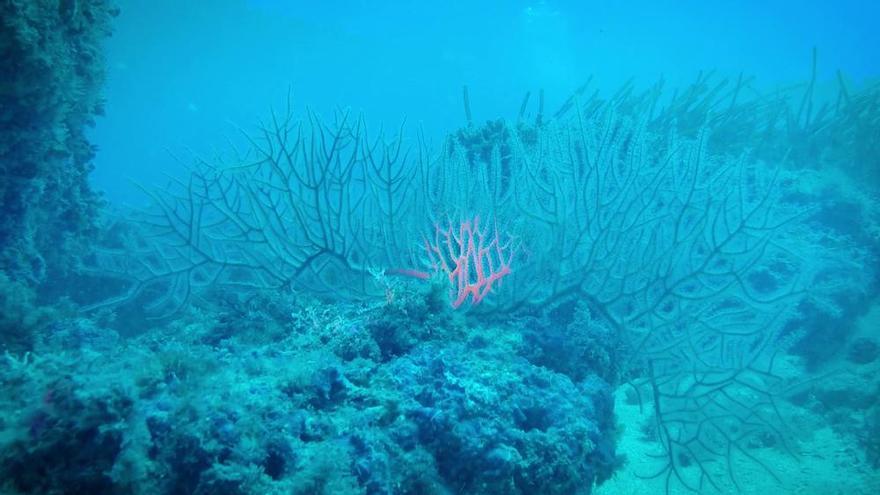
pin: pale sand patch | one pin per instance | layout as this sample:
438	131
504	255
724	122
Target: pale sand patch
825	464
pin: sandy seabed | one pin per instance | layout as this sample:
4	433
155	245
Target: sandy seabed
824	461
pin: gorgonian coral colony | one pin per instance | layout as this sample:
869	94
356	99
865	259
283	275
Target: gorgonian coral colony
687	224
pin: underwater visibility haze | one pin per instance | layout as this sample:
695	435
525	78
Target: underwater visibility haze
402	247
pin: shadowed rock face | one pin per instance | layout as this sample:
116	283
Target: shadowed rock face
50	84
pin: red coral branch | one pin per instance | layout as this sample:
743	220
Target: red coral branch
473	258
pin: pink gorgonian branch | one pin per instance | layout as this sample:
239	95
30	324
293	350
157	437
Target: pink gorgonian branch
472	257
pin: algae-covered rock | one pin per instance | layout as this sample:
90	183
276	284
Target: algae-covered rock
51	76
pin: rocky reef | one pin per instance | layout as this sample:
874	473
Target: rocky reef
50	93
280	394
51	80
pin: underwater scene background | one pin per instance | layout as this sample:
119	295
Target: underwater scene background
524	247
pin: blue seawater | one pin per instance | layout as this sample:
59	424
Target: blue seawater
402	247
